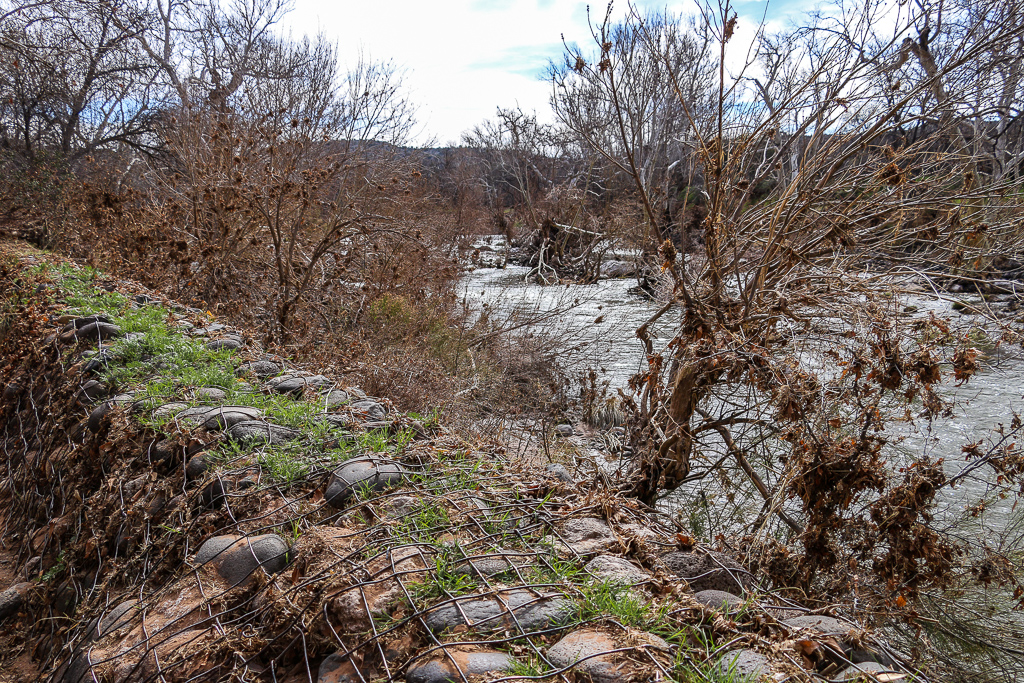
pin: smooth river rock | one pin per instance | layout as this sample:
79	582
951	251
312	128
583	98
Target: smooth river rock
742	665
819	623
708	570
225	417
295	384
617	569
259	368
456	664
376	474
211	394
583	536
485	614
869	671
236	557
492	565
119	616
229	343
371	410
94	331
591	651
720	600
13	598
252	432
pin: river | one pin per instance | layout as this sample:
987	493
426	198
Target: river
599	321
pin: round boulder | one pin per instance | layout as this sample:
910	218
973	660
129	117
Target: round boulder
122	615
336	397
78	323
235	558
519	610
93	390
617	569
97	415
13	598
226	417
559	472
593	652
211	394
456	664
373	411
169	409
260	368
94	331
564	430
707	570
338	669
720	600
821	624
744	665
226	343
584	536
361	474
251	432
294	384
869	671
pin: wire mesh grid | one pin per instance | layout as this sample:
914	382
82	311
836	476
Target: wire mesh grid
472	563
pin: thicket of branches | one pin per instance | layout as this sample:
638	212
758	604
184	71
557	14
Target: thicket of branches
794	193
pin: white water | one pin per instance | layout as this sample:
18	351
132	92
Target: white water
611	347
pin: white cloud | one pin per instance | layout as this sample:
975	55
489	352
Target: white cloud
467	57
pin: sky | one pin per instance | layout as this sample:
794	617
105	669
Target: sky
465	58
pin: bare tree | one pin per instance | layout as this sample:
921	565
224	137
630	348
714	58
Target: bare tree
624	105
76	81
792	354
298	174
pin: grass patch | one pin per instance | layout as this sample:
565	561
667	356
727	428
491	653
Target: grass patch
445	580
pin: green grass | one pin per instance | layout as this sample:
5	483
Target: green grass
444	580
624	605
429	420
163	364
427	521
531	668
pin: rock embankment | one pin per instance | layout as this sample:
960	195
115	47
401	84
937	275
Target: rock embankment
191	508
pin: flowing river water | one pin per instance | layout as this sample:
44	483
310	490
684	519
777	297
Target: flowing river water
598	322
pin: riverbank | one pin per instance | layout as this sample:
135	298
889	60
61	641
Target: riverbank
183	506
